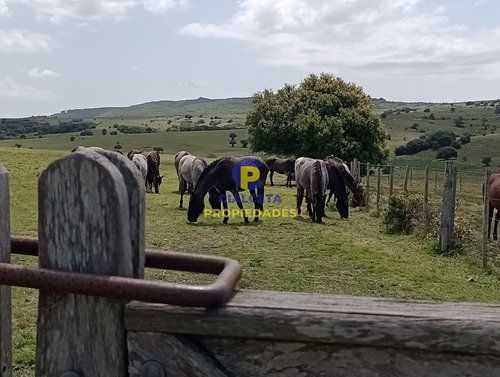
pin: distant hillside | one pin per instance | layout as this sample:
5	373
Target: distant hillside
166	109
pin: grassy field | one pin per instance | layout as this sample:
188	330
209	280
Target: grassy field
354	256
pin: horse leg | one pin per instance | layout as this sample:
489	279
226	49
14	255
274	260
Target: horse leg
236	196
224	204
309	204
258	201
300	196
288	180
271	172
182	190
495	229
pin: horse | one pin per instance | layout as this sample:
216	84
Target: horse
337	186
311	175
357	189
219	175
494	186
282	166
153	177
141	163
189	170
177	159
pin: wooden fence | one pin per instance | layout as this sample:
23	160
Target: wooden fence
92	220
453	193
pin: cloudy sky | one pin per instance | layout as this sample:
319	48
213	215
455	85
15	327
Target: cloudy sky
58	54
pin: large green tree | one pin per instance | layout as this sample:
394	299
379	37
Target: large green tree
321	116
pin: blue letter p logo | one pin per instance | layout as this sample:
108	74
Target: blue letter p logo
246	174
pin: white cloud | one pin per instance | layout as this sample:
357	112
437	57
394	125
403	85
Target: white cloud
398	37
61	10
4	10
9	88
195	83
16	40
37	73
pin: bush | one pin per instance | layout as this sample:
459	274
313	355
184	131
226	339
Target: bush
86	133
446	153
403	214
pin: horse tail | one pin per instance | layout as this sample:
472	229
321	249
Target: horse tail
317	181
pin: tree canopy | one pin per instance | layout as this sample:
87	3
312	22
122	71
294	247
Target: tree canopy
323	115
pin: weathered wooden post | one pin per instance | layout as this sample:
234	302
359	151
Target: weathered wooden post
355	171
5	295
448	211
367	184
91	220
407	176
486	217
436	181
411	177
391	184
426	195
378	186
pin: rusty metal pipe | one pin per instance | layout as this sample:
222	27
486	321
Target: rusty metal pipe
122	288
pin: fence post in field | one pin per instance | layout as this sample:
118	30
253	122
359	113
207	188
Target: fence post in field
407	176
448	211
460	181
411	177
426	195
91	220
378	186
486	217
436	181
5	296
367	184
355	169
391	182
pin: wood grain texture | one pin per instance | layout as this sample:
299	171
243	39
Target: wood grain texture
84	226
364	321
5	291
180	355
136	195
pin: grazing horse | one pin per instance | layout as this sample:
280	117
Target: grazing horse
153	177
189	170
311	175
494	203
141	163
282	166
337	186
219	175
357	189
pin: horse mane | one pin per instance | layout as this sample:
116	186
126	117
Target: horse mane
210	167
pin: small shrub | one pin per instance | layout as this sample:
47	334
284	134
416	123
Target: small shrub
403	214
446	153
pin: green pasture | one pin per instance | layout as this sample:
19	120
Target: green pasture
354	257
210	144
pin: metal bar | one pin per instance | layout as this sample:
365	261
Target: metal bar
228	271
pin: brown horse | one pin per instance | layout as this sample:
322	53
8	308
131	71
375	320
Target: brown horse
153	177
494	203
283	166
357	189
311	175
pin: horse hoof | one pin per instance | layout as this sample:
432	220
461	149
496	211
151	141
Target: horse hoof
495	238
255	220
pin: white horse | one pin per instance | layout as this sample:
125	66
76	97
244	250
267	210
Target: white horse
190	169
140	161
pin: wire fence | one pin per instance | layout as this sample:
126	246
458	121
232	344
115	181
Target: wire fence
470	216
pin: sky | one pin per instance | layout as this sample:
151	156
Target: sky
57	55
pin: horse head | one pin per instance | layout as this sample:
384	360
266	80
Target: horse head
359	195
196	207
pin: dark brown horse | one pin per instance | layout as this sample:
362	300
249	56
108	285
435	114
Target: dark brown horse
357	189
311	175
219	176
337	186
283	166
153	177
494	204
